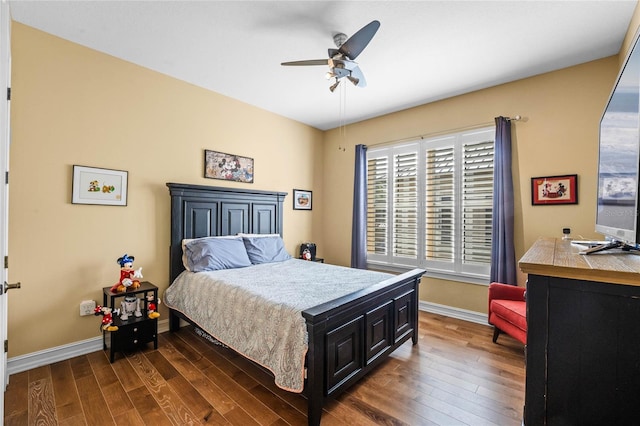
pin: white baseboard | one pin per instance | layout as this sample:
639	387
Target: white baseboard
26	362
60	353
450	311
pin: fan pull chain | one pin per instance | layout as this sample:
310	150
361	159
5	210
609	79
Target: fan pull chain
343	113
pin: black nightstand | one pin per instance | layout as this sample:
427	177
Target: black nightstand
134	332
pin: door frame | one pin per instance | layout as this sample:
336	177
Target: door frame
5	79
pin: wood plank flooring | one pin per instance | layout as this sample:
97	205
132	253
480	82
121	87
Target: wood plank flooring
454	376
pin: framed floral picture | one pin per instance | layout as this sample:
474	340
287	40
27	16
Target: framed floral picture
92	185
301	199
550	190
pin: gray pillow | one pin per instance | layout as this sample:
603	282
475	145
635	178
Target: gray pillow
186	241
212	254
265	249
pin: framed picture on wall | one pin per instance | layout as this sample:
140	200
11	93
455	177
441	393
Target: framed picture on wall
219	165
301	199
550	190
92	185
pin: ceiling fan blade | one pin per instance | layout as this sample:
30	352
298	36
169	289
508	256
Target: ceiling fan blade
356	74
307	62
357	42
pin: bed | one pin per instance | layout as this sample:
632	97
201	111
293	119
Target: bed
346	336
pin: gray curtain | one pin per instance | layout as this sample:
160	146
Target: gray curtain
359	225
503	265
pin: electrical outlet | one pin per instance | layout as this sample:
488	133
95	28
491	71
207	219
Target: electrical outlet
87	307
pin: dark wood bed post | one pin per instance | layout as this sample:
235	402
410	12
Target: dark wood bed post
174	321
414	335
315	381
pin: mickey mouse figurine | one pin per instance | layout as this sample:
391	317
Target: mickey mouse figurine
107	318
128	277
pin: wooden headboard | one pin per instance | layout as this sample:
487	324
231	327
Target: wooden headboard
203	211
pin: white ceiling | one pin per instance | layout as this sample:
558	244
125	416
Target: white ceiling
424	50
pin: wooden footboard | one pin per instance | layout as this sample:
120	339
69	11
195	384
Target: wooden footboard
351	335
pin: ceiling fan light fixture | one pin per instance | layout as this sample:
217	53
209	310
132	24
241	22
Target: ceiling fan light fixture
341	61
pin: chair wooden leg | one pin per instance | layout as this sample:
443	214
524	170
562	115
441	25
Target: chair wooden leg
496	333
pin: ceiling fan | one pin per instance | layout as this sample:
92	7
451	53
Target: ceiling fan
341	60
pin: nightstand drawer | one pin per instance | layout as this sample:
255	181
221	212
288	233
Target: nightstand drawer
132	335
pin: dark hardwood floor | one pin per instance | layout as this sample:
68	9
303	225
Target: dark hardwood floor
454	376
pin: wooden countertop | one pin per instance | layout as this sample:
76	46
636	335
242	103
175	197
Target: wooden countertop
559	258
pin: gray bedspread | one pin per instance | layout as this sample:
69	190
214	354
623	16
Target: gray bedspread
257	310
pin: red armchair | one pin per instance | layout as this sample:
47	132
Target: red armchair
508	311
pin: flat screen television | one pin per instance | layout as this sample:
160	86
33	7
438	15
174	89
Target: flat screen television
619	159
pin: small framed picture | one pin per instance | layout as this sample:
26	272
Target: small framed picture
301	199
92	185
550	190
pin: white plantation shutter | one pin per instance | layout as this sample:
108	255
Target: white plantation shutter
430	204
405	205
477	202
377	204
439	204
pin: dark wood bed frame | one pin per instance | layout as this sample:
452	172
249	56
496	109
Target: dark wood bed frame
348	336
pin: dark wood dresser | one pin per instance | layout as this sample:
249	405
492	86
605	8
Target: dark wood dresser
583	338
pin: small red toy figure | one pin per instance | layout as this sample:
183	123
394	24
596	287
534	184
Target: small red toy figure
128	277
107	318
306	254
152	308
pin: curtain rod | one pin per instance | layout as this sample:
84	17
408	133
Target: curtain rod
444	132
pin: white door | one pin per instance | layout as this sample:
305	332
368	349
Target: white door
5	71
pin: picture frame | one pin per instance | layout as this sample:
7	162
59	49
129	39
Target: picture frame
302	199
223	166
553	190
93	185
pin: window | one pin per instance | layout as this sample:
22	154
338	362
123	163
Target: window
429	204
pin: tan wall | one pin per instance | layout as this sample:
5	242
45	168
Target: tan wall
560	136
72	105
